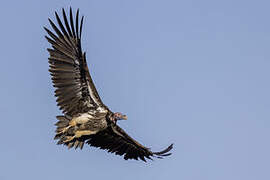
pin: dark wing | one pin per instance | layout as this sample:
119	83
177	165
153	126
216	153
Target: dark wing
75	90
116	140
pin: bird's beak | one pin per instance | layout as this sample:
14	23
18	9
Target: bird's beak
124	117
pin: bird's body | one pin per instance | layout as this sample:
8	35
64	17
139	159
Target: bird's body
86	119
84	124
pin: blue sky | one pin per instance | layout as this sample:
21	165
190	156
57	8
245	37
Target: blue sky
195	73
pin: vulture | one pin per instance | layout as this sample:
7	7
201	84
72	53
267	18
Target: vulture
85	119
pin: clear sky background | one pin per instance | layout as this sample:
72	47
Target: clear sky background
195	73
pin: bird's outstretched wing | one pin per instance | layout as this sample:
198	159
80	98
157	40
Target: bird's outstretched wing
75	90
116	140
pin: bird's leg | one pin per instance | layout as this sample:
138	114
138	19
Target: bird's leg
80	133
69	138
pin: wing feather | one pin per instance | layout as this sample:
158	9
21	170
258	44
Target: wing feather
116	140
71	22
75	90
66	22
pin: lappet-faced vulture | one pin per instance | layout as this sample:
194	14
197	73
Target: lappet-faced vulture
85	118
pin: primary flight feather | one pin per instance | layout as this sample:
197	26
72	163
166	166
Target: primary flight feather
85	118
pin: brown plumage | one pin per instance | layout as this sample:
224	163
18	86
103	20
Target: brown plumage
86	119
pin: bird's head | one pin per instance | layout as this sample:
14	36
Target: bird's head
119	116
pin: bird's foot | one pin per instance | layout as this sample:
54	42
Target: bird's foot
72	123
63	130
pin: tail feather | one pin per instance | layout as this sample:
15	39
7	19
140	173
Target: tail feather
70	144
62	124
64	131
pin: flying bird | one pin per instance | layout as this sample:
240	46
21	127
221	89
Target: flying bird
85	118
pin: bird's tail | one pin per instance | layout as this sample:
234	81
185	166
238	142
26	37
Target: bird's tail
65	131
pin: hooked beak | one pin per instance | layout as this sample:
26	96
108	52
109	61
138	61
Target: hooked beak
124	117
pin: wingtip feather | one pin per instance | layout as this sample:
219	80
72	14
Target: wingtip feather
165	151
